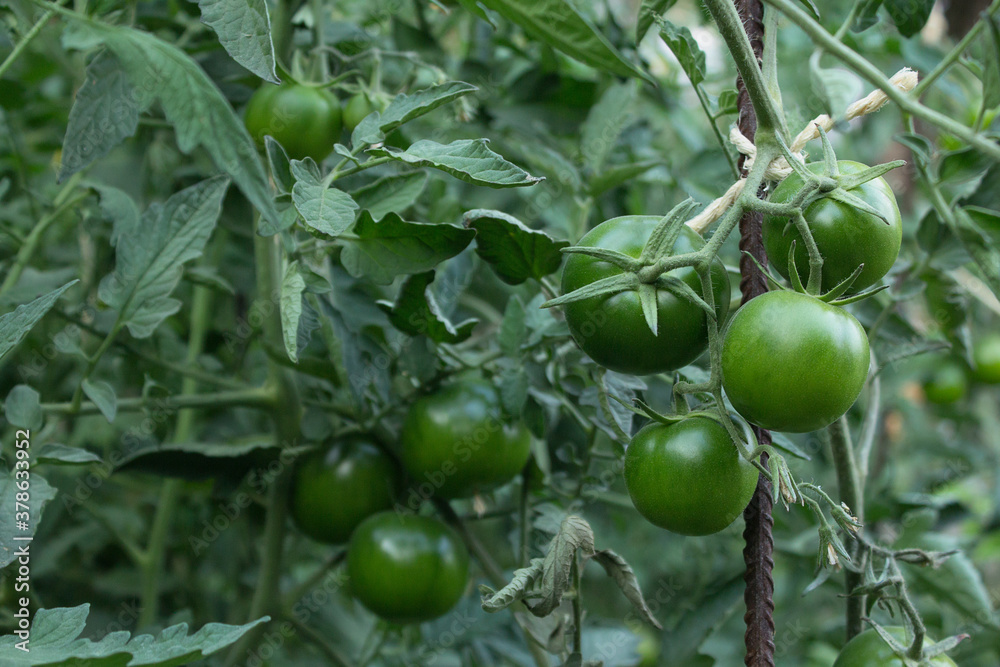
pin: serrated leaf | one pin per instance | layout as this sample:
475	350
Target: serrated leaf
41	493
910	16
648	12
16	325
200	460
513	328
105	112
150	258
623	575
520	584
292	286
514	386
574	535
605	122
404	108
391	194
469	160
196	108
244	30
367	131
727	102
118	207
57	454
416	312
685	48
103	396
515	251
325	209
22	408
281	168
559	24
393	247
55	640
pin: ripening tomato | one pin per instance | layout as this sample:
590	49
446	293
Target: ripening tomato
869	650
846	237
407	568
688	476
305	120
986	356
948	382
612	330
793	363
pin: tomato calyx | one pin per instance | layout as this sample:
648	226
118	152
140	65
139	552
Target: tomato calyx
917	653
646	274
834	296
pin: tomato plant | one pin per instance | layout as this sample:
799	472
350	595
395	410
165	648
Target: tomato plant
688	477
337	488
407	569
847	237
456	440
612	329
305	120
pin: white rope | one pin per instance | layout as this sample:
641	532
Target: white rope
905	79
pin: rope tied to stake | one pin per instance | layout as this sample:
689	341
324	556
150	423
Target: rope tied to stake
905	79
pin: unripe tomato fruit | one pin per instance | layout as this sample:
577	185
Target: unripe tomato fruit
456	441
846	237
948	383
869	650
986	356
612	329
793	363
336	489
357	108
688	476
407	568
305	120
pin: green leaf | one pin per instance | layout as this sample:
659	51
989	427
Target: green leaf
280	167
612	176
55	640
325	209
405	108
417	313
991	64
469	160
515	251
16	325
686	49
727	103
520	584
867	15
105	112
559	24
196	108
623	575
292	287
151	257
606	120
200	460
23	409
910	16
40	494
367	131
513	328
244	30
57	454
648	12
118	207
391	193
395	247
574	535
103	396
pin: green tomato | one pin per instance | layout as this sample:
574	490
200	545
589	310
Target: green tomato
946	301
948	383
793	363
303	119
688	476
359	107
455	443
869	650
336	489
612	329
846	237
407	568
986	357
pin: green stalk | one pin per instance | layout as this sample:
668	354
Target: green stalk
850	493
955	53
25	41
251	398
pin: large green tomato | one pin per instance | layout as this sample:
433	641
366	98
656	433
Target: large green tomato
305	120
947	383
407	568
688	476
336	489
846	237
456	444
793	363
986	357
612	329
869	650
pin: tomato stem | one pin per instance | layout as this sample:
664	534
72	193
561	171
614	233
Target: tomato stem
849	483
